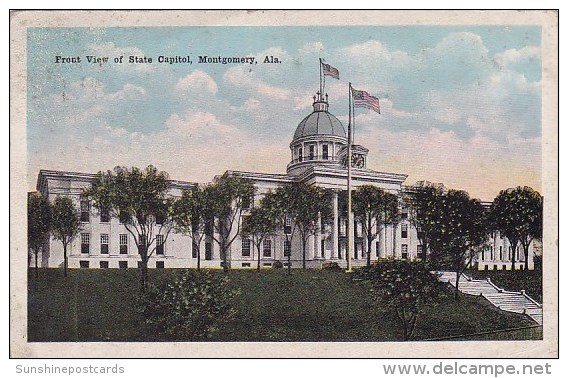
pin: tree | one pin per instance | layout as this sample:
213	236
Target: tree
373	208
517	214
140	200
39	224
309	205
259	224
189	307
406	288
190	217
66	225
424	211
226	201
462	231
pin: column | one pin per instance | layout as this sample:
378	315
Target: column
318	253
395	252
335	230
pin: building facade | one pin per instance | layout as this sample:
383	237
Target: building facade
317	157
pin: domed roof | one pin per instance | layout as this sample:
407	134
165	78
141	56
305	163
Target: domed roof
319	123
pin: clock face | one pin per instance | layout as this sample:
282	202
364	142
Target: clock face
357	161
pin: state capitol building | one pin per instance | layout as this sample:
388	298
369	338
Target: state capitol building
315	159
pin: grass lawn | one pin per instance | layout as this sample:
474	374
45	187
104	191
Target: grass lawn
312	305
528	280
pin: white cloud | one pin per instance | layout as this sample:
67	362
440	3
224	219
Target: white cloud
241	77
513	55
197	81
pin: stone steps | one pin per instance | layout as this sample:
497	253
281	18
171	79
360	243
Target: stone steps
504	300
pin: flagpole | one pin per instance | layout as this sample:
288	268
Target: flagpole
321	81
349	215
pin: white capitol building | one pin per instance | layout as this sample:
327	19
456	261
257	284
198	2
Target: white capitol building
315	159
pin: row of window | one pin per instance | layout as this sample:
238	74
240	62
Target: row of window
492	254
121	264
122	242
312	152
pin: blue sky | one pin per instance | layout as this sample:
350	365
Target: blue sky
460	105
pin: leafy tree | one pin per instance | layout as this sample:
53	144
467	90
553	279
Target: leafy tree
190	217
462	231
374	208
65	225
309	204
39	224
140	200
259	224
226	201
406	288
517	214
281	203
189	307
424	211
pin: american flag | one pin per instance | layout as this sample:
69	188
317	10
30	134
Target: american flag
362	99
329	70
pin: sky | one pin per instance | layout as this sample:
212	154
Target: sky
459	105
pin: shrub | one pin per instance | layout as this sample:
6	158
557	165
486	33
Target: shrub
190	307
277	265
406	288
331	265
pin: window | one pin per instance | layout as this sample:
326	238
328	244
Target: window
377	248
83	264
123	264
194	250
356	229
209	227
208	251
105	215
267	248
141	242
500	252
266	264
287	248
160	219
159	265
85	210
85	243
312	151
103	264
420	252
325	152
322	248
510	253
404	250
483	254
342	227
419	232
245	265
123	242
404	213
159	244
404	231
288	226
245	247
246	202
300	154
104	244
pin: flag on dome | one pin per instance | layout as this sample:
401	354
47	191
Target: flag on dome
329	70
362	99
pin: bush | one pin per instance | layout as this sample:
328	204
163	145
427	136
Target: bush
277	265
331	265
406	288
190	307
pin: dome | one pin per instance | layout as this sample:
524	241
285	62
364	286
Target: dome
319	123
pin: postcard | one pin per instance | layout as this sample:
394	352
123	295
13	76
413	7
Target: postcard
362	184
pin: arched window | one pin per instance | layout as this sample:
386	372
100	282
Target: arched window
325	152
